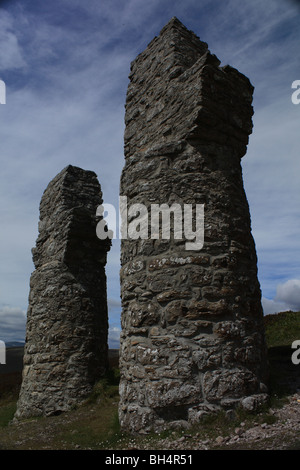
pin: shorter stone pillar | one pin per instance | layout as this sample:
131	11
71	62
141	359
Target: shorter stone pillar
67	323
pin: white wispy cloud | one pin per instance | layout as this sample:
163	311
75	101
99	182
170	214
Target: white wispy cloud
287	298
114	337
11	56
289	292
71	115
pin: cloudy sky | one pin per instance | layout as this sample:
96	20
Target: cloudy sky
65	64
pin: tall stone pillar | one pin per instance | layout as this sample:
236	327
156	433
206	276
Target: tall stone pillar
67	323
192	332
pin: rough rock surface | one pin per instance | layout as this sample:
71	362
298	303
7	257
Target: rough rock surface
192	333
67	324
283	434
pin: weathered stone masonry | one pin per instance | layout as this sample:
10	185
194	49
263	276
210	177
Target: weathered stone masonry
67	324
192	334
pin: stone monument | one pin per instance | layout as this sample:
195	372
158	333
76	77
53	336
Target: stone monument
192	337
67	322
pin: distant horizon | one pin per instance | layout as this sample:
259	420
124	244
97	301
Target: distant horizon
10	344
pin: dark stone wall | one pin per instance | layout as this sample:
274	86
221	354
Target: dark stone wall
67	322
192	333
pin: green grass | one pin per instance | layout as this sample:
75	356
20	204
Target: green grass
95	431
99	427
7	411
282	328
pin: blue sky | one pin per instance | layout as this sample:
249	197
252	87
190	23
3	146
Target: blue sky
65	64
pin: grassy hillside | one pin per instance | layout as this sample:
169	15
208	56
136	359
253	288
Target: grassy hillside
282	329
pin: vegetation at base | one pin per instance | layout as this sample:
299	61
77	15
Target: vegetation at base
95	425
282	328
7	410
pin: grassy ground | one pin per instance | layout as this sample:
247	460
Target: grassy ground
94	425
282	329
